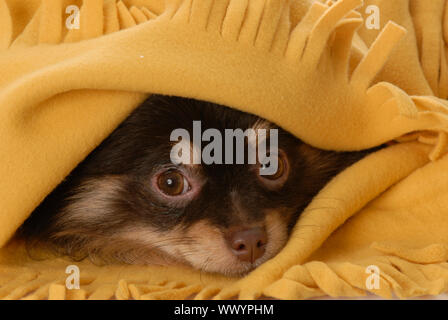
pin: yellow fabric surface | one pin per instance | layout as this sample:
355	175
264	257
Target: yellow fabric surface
313	68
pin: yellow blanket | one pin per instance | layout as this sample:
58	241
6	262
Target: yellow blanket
340	75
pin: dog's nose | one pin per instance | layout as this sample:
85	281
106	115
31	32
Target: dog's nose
248	245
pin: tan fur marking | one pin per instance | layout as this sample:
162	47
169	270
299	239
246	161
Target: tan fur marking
201	245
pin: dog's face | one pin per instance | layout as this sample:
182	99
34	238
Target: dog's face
128	201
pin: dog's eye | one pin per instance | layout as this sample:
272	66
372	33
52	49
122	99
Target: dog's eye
280	170
173	183
276	179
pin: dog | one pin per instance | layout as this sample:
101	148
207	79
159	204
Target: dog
128	202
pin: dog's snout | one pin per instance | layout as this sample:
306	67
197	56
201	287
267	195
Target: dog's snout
249	244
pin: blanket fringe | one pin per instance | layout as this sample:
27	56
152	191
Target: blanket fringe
5	26
322	41
398	277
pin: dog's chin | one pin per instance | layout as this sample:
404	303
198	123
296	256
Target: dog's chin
228	265
234	268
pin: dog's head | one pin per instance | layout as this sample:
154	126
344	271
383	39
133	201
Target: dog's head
129	201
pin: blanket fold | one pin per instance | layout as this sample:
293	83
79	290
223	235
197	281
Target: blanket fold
314	68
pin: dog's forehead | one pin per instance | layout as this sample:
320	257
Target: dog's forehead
180	113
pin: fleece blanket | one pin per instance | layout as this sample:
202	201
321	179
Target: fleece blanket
340	75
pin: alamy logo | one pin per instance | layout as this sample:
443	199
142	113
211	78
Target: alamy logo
72	281
373	280
373	20
73	21
221	150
